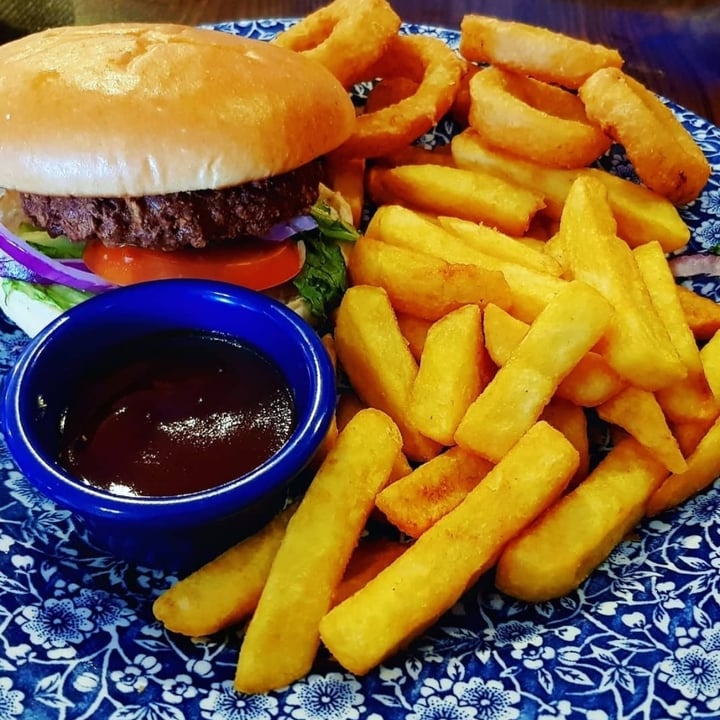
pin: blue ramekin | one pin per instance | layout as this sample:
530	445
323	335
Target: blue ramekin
174	532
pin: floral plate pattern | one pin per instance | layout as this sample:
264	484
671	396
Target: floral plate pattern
639	639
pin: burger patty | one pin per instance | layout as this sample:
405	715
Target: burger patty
176	220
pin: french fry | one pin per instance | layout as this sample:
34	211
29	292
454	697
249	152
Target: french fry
422	285
373	353
710	358
557	552
570	420
431	575
400	227
689	434
637	344
702	314
703	467
349	405
691	398
442	190
493	242
591	382
283	634
225	590
642	216
370	557
346	175
415	331
639	413
448	379
418	155
417	501
513	400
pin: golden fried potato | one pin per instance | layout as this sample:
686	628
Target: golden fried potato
370	557
431	575
373	353
591	382
710	358
639	413
637	344
225	590
504	247
513	400
349	405
468	194
530	290
641	215
553	556
422	285
703	466
570	420
448	379
283	635
691	398
702	314
417	501
346	175
415	331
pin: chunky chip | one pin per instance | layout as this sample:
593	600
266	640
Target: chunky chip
471	195
554	555
314	552
431	575
382	370
422	285
641	215
637	344
513	400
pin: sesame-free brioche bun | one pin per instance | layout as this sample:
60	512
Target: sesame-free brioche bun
141	109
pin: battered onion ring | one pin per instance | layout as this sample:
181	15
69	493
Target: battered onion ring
664	154
389	91
346	36
436	69
534	120
538	52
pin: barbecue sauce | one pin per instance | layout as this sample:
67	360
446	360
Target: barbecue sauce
176	413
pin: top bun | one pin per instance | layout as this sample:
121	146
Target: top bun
143	109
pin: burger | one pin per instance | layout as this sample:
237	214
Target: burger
131	152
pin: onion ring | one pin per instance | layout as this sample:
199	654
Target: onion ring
532	119
389	91
346	36
437	70
541	53
664	154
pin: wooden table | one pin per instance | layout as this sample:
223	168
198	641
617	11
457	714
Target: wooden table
672	46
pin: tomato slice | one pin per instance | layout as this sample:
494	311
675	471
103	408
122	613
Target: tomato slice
254	264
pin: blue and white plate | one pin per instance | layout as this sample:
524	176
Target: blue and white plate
639	639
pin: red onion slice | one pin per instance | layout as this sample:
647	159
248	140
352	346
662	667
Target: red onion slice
284	230
691	265
30	264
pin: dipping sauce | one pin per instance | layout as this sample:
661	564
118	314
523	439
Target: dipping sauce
176	413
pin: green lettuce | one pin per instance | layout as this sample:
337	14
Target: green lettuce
323	279
32	306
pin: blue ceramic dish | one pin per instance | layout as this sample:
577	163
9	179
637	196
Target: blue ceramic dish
175	530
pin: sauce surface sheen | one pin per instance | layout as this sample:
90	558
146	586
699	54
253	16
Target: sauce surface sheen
176	413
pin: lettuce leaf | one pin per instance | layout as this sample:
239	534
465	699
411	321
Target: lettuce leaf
32	306
323	279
